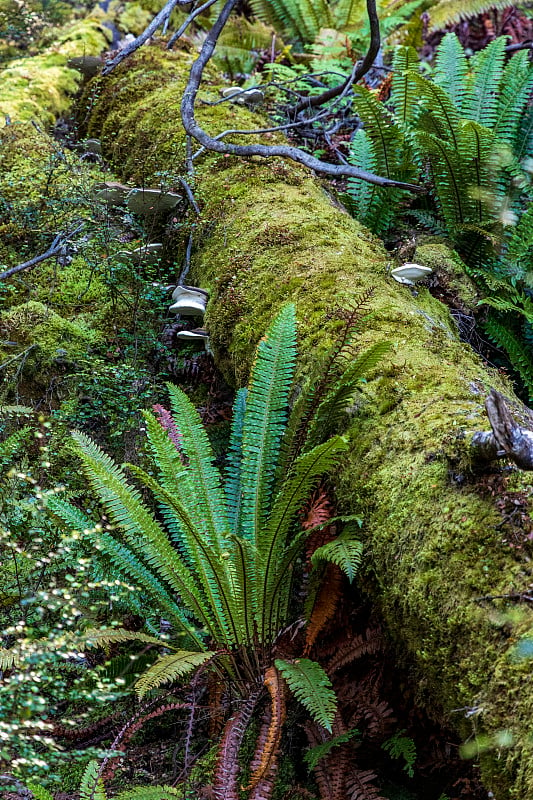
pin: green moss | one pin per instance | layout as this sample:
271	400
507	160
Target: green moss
42	344
450	271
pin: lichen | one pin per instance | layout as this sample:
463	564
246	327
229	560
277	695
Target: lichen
433	545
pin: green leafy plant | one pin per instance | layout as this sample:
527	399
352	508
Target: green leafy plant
402	747
219	555
92	788
468	127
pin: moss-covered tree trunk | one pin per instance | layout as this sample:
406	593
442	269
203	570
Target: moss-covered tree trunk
438	538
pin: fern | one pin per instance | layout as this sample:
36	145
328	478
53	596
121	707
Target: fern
312	687
451	68
519	354
399	746
150	793
168	668
92	785
481	101
345	551
320	751
39	792
450	12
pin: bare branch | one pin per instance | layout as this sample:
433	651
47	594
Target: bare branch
55	249
183	27
358	71
265	151
160	19
506	440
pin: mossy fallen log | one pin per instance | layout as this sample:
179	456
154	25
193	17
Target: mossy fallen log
440	539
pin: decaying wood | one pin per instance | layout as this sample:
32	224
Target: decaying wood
507	439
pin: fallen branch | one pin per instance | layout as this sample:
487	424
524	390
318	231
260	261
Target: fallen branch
264	151
506	440
55	249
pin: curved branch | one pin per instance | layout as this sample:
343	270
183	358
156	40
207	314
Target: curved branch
265	151
506	440
358	71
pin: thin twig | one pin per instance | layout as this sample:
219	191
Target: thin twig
158	20
54	250
190	196
358	71
183	27
266	151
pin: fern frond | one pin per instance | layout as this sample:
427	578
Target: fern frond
450	12
481	102
92	785
126	509
319	751
307	469
403	90
204	476
39	792
331	410
400	746
324	606
265	419
234	462
345	551
443	115
312	687
515	92
518	353
104	637
266	753
150	793
169	668
451	69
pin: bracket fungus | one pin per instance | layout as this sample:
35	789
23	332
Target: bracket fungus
189	301
409	274
111	193
89	66
243	96
151	202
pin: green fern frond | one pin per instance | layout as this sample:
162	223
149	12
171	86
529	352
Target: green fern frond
387	138
331	410
320	751
312	687
446	171
366	199
39	792
451	69
345	551
234	462
450	12
400	746
265	419
104	637
306	471
518	353
442	116
481	102
13	444
515	92
10	658
204	476
169	668
348	14
92	786
403	90
150	793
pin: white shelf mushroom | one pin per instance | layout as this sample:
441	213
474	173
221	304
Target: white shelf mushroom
409	274
151	202
111	193
189	301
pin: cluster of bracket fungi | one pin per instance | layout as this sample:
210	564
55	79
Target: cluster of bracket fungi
187	301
